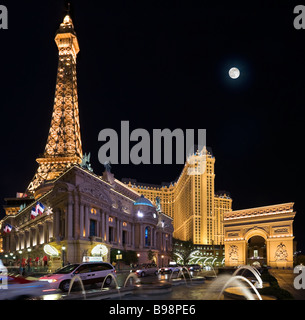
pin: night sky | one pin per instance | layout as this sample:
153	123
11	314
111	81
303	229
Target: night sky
164	64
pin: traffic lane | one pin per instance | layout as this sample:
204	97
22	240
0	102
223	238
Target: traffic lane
121	278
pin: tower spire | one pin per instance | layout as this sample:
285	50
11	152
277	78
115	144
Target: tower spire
63	148
68	9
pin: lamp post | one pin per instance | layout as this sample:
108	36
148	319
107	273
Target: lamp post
162	257
11	257
118	258
20	261
29	260
63	248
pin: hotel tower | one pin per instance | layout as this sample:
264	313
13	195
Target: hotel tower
191	202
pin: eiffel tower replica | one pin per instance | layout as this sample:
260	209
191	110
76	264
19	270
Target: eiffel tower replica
64	146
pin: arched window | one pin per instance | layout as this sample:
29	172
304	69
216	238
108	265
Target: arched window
147	236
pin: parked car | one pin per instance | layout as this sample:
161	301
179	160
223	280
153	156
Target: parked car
20	288
169	269
89	273
194	267
145	269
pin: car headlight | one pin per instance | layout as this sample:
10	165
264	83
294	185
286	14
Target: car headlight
52	280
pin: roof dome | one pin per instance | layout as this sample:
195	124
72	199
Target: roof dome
142	201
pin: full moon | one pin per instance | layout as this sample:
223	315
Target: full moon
234	73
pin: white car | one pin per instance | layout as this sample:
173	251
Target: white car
146	269
20	288
92	272
169	269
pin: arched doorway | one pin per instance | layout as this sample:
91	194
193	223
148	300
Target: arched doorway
256	251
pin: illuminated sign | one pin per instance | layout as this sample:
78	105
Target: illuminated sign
92	259
50	250
99	250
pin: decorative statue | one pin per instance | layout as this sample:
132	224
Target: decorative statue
158	204
86	162
107	166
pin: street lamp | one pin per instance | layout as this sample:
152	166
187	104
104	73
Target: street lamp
29	261
20	261
118	258
63	248
162	257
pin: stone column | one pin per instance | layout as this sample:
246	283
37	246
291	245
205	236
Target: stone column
155	238
77	231
12	242
33	236
133	236
98	225
86	221
141	237
22	241
69	221
151	237
102	225
81	221
128	235
161	240
118	240
56	224
29	239
66	232
37	238
6	245
17	242
121	233
50	228
107	227
40	234
45	232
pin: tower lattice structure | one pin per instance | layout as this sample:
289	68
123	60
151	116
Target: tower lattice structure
64	147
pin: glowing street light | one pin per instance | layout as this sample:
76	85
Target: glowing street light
63	248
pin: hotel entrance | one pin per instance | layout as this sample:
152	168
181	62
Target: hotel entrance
256	251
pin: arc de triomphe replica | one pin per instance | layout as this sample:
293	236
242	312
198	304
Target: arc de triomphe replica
262	235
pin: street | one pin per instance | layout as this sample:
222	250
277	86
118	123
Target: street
285	280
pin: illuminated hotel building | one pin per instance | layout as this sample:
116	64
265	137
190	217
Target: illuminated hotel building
191	201
85	214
